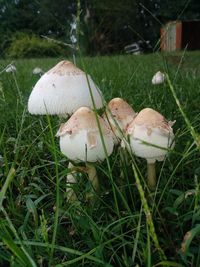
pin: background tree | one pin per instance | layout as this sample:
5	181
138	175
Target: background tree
178	10
106	26
44	17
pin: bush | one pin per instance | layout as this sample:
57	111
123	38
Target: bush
24	46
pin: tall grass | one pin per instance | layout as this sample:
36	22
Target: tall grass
38	227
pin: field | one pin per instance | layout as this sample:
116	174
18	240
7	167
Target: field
121	226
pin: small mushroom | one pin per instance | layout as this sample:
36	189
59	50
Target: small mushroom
38	71
150	136
81	141
158	78
119	114
62	90
10	68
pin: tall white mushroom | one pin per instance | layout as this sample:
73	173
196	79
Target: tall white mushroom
151	136
62	90
81	140
119	114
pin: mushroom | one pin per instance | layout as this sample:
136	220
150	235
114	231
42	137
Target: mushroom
62	90
38	71
81	140
150	136
158	78
119	115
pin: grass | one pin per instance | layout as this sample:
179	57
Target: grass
39	228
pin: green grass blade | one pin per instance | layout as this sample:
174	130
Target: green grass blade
189	236
147	212
57	189
195	136
6	184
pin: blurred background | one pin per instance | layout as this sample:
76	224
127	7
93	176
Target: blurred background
97	27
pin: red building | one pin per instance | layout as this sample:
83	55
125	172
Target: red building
177	35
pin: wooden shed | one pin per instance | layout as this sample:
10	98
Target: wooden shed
177	35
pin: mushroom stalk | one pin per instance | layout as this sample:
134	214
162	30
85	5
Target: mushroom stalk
151	175
92	176
71	180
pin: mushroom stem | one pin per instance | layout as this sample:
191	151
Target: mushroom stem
92	176
63	116
71	180
151	175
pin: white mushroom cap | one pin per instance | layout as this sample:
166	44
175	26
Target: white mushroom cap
158	78
37	70
62	90
119	115
150	135
80	138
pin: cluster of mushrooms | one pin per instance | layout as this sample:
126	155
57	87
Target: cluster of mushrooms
86	137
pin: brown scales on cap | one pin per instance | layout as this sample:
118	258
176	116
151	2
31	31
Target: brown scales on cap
120	109
151	119
65	68
83	119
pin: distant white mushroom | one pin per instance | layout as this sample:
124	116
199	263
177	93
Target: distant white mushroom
151	136
10	68
80	140
62	90
38	71
119	115
158	78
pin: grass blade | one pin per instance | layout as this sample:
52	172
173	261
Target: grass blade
6	184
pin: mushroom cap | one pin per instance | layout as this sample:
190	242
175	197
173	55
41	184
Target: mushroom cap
119	115
80	139
62	90
37	70
150	135
158	78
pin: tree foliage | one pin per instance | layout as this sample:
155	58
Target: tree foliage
178	10
25	46
106	25
39	17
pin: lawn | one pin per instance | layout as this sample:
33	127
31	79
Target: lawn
38	227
